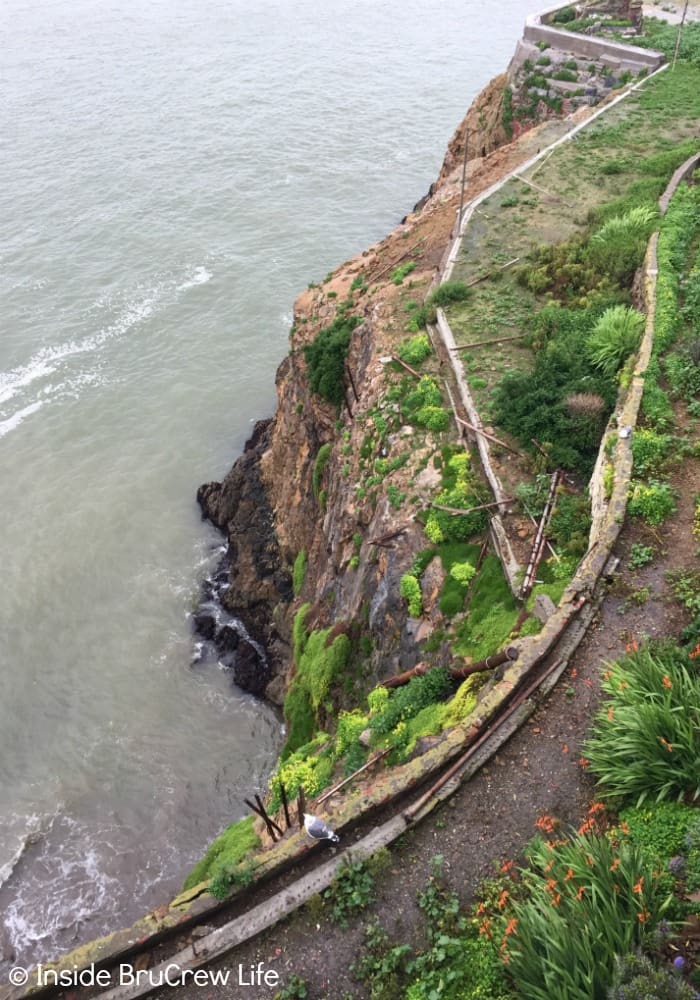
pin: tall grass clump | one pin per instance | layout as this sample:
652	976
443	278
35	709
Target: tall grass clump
644	741
614	337
585	902
617	249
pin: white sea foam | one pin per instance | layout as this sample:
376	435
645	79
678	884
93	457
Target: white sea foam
200	276
16	419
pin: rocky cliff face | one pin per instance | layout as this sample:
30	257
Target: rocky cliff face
351	511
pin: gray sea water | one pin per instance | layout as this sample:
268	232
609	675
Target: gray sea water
172	173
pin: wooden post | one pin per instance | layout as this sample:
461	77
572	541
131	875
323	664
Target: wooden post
283	794
301	807
678	37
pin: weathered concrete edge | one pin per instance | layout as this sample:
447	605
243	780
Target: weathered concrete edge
590	46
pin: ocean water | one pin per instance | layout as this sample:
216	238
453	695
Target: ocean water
171	175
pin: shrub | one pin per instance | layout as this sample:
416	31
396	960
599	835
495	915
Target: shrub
462	490
635	977
402	271
654	501
306	768
650	450
416	350
406	702
411	592
325	358
586	902
299	572
644	738
433	418
615	336
462	572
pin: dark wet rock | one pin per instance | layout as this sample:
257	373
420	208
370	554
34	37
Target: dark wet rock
228	639
250	670
204	624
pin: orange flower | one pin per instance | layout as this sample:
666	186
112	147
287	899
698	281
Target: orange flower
667	681
632	646
607	675
587	826
507	866
485	928
502	899
666	744
511	925
545	823
551	884
643	916
611	713
569	875
596	807
623	685
556	900
615	865
695	653
638	886
584	762
481	909
624	827
579	894
565	748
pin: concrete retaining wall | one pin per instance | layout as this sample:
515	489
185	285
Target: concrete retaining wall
587	46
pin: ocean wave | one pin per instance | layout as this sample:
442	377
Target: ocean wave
16	419
200	276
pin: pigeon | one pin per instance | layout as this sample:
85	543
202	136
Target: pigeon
318	829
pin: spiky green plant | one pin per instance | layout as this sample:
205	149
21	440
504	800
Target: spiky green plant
644	742
615	336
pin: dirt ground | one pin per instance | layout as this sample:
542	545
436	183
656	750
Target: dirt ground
492	817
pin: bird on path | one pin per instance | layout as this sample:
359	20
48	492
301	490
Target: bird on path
318	829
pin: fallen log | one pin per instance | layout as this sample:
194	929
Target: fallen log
507	655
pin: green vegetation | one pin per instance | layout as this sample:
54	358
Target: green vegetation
324	454
325	357
320	658
225	853
415	350
411	592
462	490
294	990
402	271
585	902
354	887
493	613
299	572
615	337
644	739
653	501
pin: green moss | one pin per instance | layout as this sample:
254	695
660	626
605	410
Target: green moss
493	613
299	632
299	572
299	717
324	453
228	850
325	357
464	701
